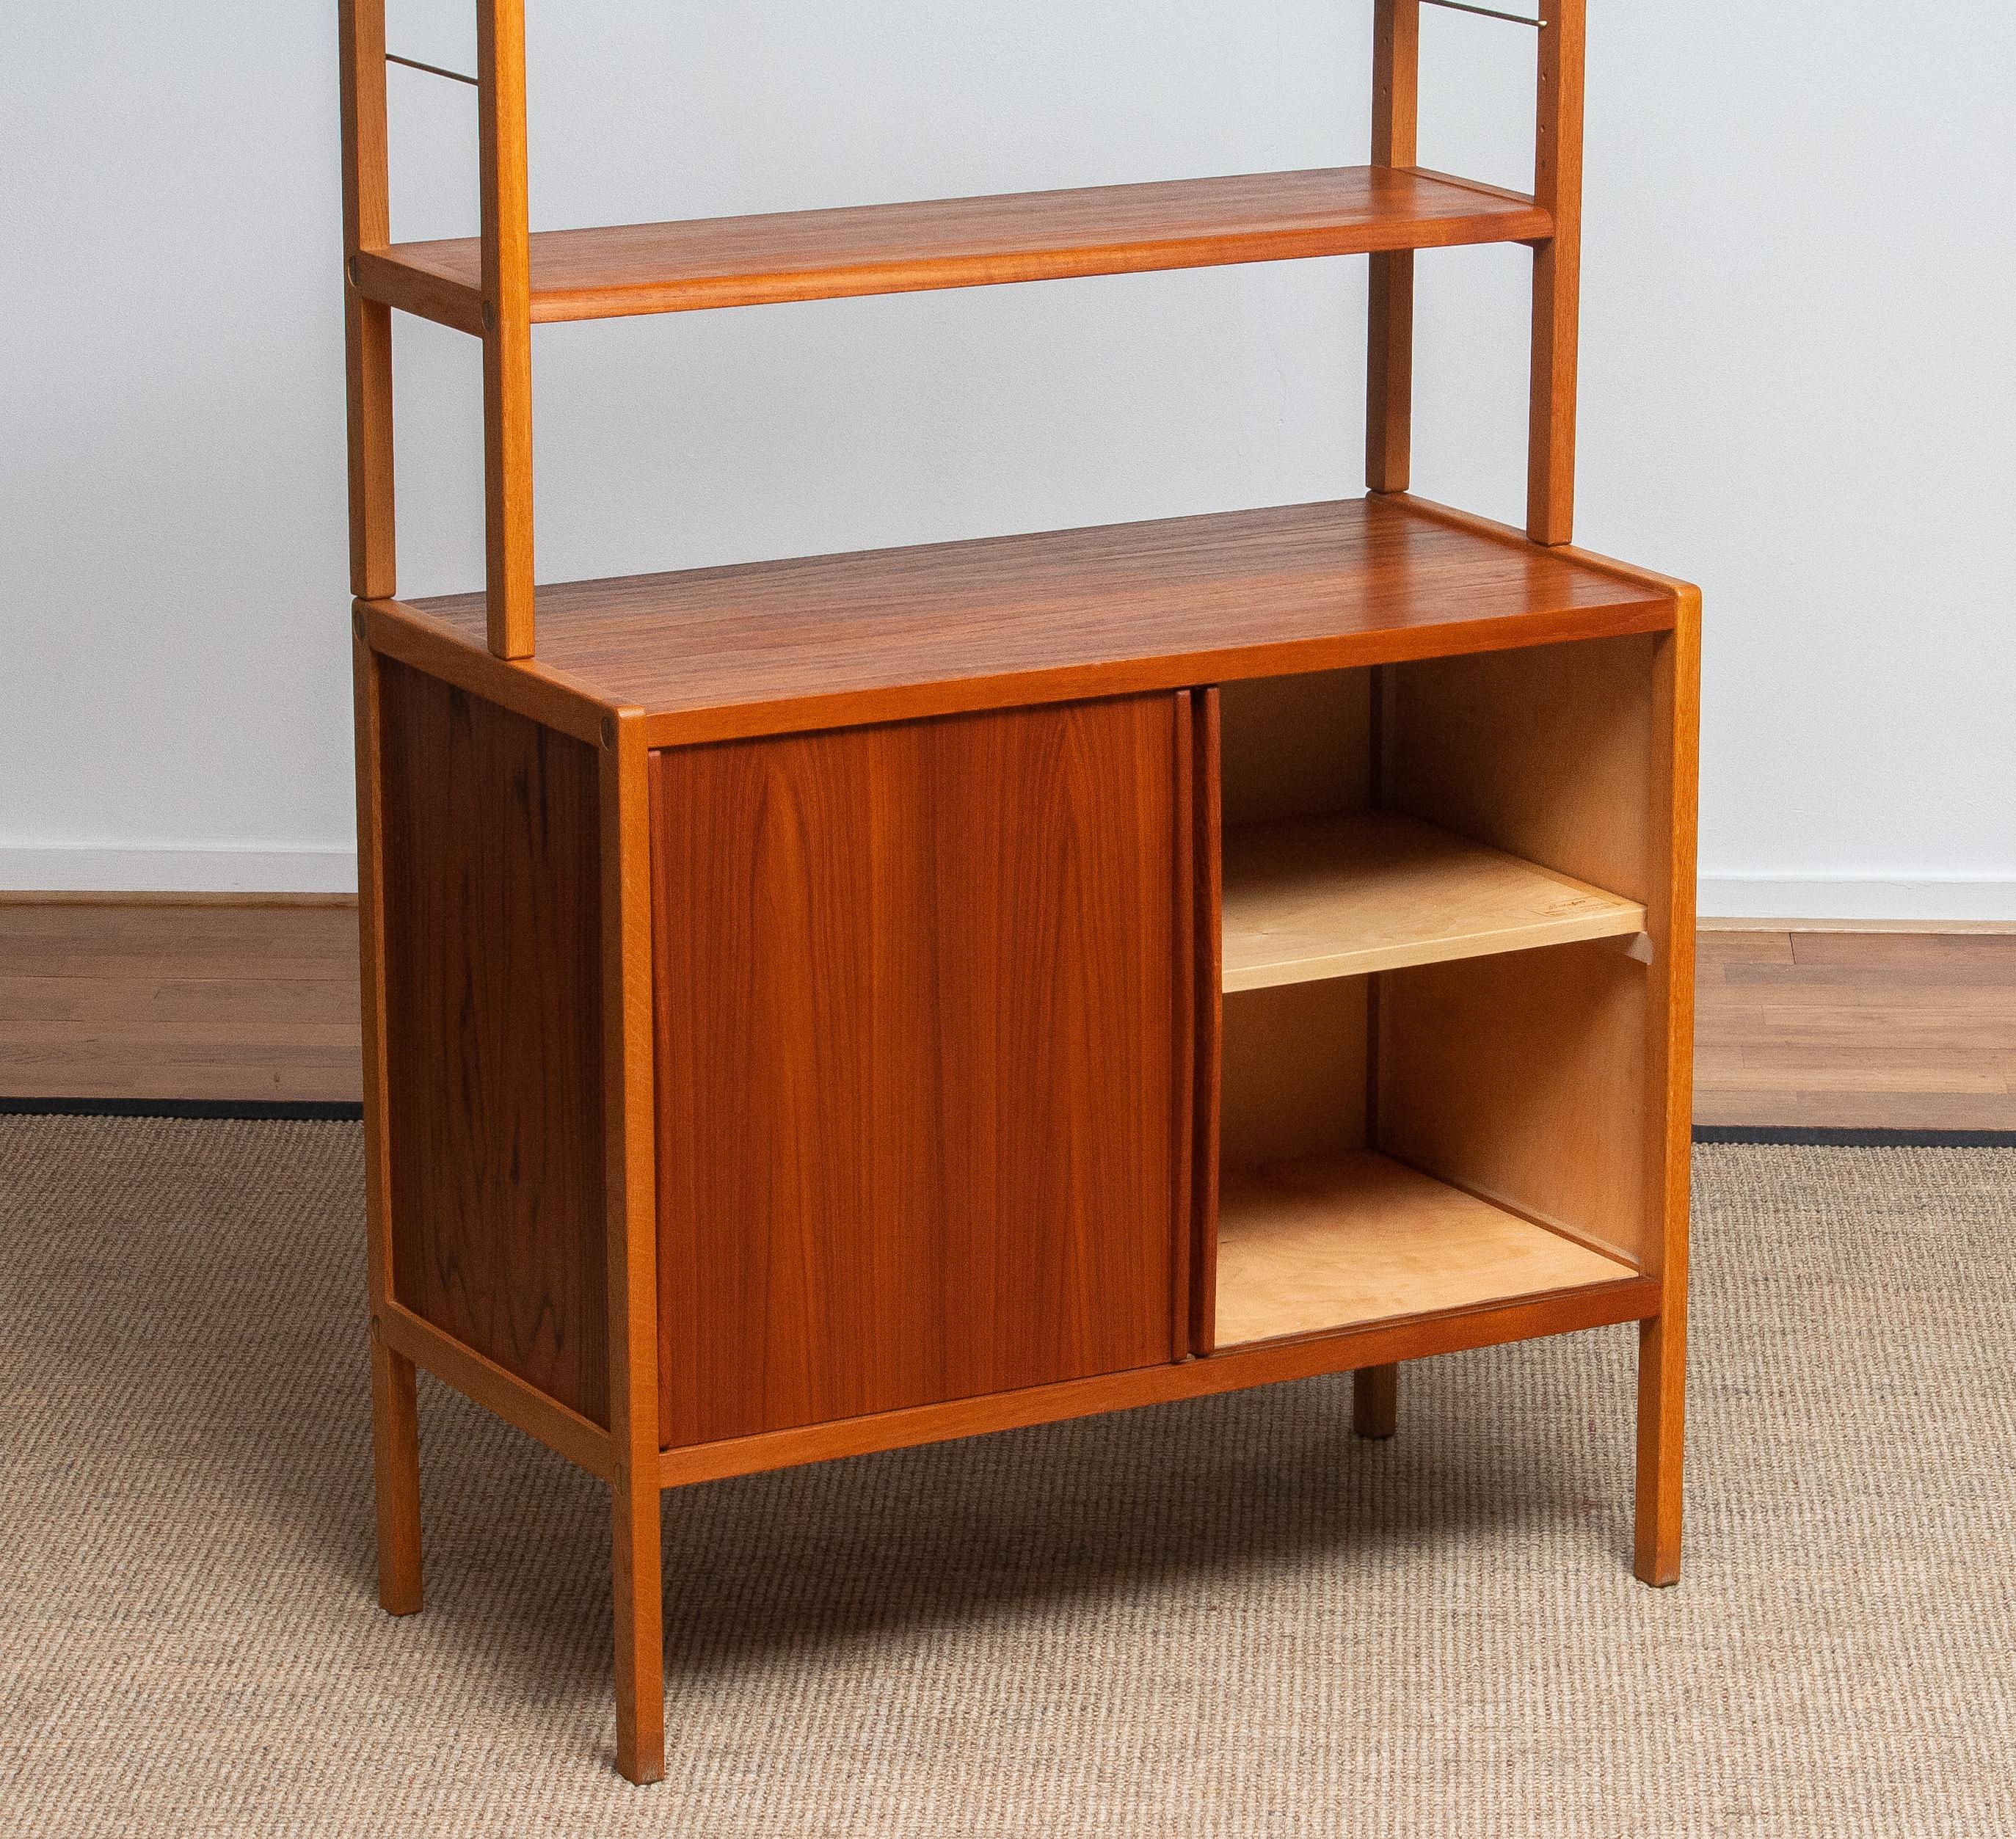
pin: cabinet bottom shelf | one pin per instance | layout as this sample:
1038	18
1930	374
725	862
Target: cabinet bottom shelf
1341	1241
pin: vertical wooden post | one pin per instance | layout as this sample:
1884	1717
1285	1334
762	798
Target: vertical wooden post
637	1584
507	326
1669	1108
395	1437
367	325
1375	1390
1375	1401
1557	277
1207	939
1389	371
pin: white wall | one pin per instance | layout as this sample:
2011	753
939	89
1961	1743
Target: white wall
1797	377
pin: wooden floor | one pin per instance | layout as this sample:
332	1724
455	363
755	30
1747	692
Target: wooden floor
224	1001
1899	1030
214	1000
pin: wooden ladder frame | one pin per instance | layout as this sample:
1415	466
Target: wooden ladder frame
507	319
507	314
1557	140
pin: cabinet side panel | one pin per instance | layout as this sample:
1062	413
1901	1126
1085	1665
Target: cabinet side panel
493	978
1549	752
1523	1077
916	1033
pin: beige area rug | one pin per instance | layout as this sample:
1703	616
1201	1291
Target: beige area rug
1218	1618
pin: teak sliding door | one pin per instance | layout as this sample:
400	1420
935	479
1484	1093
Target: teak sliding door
922	1052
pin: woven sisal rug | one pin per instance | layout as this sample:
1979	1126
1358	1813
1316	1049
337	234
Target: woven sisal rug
1213	1619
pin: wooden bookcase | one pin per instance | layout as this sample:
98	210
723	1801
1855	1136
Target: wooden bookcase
821	1006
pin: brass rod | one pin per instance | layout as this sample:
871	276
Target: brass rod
1516	19
413	63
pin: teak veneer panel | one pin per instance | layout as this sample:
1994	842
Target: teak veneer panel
1340	1241
918	1054
772	647
1345	896
802	255
493	983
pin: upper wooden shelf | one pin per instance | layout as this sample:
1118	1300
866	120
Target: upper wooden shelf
801	255
1308	898
833	641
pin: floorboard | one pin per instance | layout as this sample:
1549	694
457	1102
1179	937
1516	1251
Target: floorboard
164	1000
1856	1031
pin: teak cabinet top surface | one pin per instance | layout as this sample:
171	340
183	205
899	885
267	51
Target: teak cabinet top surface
835	641
799	255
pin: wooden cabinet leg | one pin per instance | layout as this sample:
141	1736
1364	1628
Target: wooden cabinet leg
395	1438
1661	1421
1375	1401
640	1655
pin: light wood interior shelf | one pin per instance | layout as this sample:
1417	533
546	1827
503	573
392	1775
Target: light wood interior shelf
1340	1241
801	255
1343	896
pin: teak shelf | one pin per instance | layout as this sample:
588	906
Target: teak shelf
816	1006
807	255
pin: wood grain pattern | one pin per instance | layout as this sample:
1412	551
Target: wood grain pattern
129	997
1524	1079
1521	1080
1557	276
1307	1247
504	273
526	686
773	647
636	1573
1546	753
1343	897
493	967
802	255
1269	1363
917	989
1389	370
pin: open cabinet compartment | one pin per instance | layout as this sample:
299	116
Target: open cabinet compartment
1434	989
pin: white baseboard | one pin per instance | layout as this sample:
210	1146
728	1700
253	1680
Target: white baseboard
91	869
1757	897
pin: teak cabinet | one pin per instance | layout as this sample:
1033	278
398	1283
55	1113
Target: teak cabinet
820	1006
